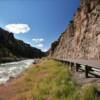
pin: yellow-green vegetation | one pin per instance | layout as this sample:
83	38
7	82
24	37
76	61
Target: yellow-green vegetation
51	80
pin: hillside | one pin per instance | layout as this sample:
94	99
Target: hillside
82	38
12	48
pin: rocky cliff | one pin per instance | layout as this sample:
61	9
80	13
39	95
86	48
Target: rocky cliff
82	38
10	47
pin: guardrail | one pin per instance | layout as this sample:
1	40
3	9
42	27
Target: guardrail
88	66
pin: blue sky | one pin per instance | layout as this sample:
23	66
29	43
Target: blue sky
46	19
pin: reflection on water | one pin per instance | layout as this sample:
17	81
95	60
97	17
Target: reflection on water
13	69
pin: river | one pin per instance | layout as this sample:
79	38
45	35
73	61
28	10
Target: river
13	69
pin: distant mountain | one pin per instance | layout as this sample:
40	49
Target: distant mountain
81	40
12	48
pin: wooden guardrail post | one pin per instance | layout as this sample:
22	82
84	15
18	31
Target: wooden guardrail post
77	67
87	69
68	63
71	65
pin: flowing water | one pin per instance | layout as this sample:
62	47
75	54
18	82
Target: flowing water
13	69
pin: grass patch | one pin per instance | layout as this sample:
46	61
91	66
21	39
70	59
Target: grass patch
51	80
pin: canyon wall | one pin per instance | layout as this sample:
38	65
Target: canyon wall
81	40
10	47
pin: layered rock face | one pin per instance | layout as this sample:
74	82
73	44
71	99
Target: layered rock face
81	40
12	48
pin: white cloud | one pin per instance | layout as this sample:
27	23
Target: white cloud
38	42
44	49
39	45
17	28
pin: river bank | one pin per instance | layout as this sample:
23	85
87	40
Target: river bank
11	88
47	80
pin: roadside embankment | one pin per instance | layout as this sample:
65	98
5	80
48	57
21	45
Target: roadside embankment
47	80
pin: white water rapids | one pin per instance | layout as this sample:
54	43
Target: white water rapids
13	69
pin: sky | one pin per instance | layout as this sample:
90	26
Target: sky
37	22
